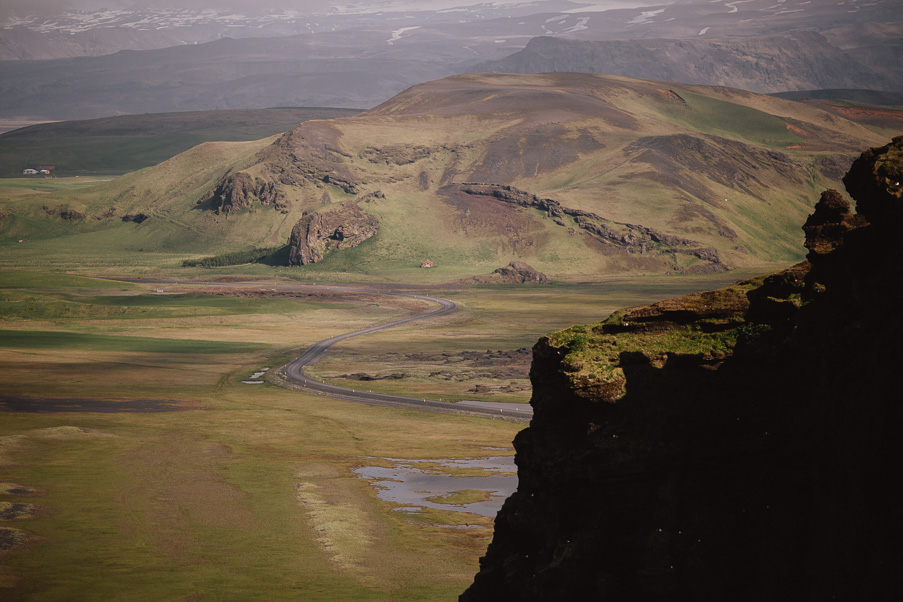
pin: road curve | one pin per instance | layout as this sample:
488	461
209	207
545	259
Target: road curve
292	374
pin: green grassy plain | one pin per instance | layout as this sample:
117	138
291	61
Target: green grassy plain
247	494
244	491
117	145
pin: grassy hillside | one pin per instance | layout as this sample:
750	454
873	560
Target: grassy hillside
116	145
717	168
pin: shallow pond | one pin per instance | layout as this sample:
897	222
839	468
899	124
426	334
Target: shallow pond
417	483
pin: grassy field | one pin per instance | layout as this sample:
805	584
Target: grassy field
243	493
233	491
117	145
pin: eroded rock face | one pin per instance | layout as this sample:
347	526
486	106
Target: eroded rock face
617	236
318	233
240	191
516	272
71	215
521	273
731	445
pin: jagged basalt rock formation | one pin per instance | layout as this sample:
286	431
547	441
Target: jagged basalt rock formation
71	215
520	273
732	445
310	154
135	217
240	190
516	272
318	233
396	154
627	238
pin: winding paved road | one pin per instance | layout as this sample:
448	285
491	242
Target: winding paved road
294	372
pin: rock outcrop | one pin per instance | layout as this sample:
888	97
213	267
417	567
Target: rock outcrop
135	217
318	233
71	215
516	272
311	155
620	237
240	190
739	444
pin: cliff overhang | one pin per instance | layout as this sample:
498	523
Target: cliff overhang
735	444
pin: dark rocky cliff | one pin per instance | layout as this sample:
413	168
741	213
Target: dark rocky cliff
740	444
318	233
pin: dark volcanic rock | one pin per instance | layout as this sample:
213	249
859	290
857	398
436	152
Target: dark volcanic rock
876	182
135	217
71	214
516	272
316	233
621	237
239	191
732	445
521	273
310	154
832	219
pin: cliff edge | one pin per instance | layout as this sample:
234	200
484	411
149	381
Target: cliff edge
739	444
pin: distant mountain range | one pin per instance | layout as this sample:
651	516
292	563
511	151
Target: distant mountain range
359	58
798	60
93	33
74	33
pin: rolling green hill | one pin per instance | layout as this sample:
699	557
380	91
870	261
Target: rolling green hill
117	145
581	176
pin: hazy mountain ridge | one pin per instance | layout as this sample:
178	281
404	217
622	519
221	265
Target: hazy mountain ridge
106	31
336	69
724	169
801	60
95	33
364	61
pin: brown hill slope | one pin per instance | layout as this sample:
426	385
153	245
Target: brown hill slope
726	169
729	445
578	175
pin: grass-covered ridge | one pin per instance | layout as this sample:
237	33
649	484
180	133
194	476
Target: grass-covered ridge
731	171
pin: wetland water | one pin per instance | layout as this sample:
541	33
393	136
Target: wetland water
421	483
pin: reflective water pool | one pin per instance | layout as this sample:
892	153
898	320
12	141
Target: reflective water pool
417	483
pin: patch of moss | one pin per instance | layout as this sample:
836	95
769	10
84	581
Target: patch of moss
594	357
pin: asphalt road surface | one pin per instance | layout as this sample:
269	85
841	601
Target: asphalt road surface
294	377
294	373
